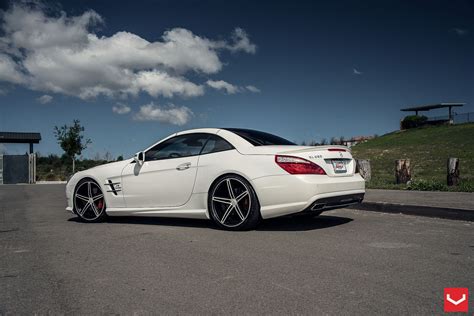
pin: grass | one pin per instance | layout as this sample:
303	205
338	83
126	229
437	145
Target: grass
428	149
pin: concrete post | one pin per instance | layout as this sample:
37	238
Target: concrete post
363	167
453	171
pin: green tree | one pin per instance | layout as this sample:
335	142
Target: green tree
71	140
120	158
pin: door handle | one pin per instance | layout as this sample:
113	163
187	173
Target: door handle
183	166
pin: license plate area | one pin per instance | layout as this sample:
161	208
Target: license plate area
339	165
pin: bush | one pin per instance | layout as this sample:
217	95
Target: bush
51	177
432	185
465	186
412	121
426	185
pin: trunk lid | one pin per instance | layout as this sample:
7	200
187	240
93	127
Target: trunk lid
336	160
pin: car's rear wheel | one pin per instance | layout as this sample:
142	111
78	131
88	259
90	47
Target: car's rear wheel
233	204
89	201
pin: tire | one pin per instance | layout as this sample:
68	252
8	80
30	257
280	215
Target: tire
89	201
233	204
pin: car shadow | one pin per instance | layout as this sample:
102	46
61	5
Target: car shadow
285	223
163	221
301	223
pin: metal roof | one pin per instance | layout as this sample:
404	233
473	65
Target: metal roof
432	107
14	137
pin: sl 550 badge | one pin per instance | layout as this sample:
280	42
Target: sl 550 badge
315	157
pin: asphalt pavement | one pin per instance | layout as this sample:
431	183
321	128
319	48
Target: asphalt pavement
343	262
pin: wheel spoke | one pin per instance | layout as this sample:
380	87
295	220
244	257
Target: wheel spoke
226	214
221	200
239	212
241	196
229	188
82	197
98	197
94	208
89	189
81	212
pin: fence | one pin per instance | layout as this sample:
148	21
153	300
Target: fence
457	118
17	169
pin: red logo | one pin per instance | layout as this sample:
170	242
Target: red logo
455	299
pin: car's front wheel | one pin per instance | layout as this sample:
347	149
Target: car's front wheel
233	204
89	202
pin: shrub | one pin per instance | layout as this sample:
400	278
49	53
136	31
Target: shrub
412	121
426	185
465	186
51	177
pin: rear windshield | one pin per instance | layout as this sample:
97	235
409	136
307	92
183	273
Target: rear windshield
258	138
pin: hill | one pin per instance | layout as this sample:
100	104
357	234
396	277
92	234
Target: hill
428	148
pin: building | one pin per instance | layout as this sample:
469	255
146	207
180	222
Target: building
18	168
356	140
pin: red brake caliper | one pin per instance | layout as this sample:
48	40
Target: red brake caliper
100	205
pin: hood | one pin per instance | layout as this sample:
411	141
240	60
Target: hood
111	165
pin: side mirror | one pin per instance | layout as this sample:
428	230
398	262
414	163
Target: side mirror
139	157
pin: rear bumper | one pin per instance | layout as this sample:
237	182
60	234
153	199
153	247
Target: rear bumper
330	203
288	194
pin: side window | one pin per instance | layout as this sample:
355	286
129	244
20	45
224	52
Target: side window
177	147
216	144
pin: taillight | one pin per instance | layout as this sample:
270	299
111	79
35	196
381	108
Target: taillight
296	165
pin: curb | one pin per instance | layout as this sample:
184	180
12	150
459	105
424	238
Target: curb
418	210
50	182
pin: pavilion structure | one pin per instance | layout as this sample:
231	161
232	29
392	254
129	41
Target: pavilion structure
424	108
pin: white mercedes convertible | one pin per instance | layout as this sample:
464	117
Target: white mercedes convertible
235	177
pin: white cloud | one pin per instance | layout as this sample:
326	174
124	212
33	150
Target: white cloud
460	31
230	88
253	89
223	85
9	70
121	108
63	54
160	83
45	98
242	42
356	72
176	115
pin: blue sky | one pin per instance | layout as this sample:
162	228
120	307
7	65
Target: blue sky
302	70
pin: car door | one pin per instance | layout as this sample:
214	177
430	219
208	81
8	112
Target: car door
166	177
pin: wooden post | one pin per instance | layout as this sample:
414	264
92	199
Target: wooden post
453	171
363	167
402	171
